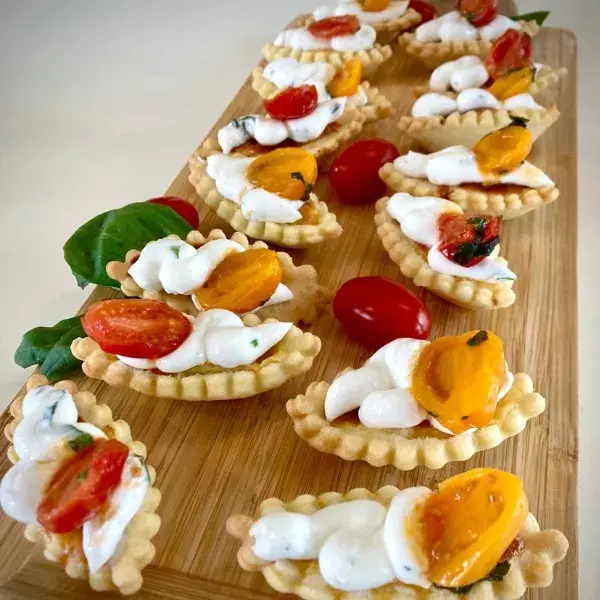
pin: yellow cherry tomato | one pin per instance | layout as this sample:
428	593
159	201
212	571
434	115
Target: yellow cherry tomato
347	79
375	5
516	82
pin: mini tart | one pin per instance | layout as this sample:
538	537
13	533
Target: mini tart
506	201
309	296
377	107
371	59
407	448
123	572
466	129
293	355
533	568
290	235
433	54
388	31
468	293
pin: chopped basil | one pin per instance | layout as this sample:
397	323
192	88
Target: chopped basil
465	417
518	121
143	461
478	339
241	122
176	250
479	222
539	17
80	442
254	343
496	574
308	187
432	414
83	475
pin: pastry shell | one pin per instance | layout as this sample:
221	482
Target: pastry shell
371	59
465	292
124	570
433	54
380	447
293	355
533	568
377	107
281	234
466	129
309	297
514	202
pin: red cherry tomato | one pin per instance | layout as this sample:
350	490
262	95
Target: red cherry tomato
186	210
467	240
293	103
375	310
82	485
136	328
335	26
478	12
513	50
427	10
354	174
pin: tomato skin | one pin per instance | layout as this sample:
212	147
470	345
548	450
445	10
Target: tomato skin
354	173
427	10
136	328
335	26
81	485
478	12
376	310
293	103
512	50
186	210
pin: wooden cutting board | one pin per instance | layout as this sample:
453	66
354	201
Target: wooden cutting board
217	459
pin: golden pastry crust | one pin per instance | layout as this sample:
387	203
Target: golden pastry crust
468	293
293	355
124	571
309	299
533	568
281	234
371	59
380	447
466	129
510	203
377	107
433	54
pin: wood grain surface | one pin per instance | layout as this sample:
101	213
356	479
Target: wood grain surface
218	459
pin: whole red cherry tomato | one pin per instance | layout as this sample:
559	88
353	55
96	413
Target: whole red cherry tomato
186	210
427	10
354	174
81	486
293	103
478	12
512	50
375	310
136	328
335	26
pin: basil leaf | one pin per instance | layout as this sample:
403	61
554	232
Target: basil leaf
80	442
112	234
539	17
478	339
50	347
496	574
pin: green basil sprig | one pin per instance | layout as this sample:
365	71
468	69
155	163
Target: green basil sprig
539	17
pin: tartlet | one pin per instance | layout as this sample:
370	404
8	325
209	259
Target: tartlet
309	297
135	551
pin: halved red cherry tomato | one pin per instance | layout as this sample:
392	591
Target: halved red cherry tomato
354	174
512	50
478	12
186	210
136	328
81	486
335	26
293	103
467	239
427	10
375	310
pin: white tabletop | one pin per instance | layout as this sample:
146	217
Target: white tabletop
101	104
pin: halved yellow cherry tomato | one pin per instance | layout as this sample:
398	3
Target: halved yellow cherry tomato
242	281
466	526
513	83
347	79
457	379
505	149
375	5
288	172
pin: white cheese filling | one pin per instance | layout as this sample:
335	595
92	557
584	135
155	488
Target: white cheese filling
303	39
394	10
457	165
219	337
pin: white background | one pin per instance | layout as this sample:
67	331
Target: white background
102	102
